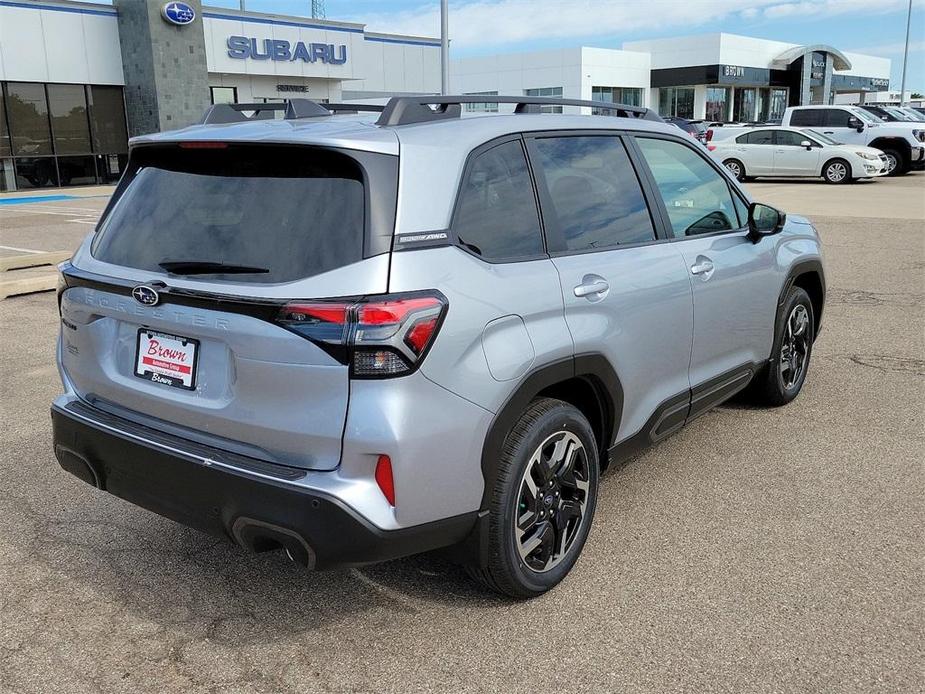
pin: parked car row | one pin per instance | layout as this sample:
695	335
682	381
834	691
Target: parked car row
837	143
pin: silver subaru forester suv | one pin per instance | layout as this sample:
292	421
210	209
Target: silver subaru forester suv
357	336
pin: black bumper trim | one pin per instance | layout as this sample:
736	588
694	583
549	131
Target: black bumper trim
257	512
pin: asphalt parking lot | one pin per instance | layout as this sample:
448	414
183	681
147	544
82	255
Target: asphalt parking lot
755	551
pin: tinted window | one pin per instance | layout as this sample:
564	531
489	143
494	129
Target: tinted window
696	196
786	138
107	116
807	117
5	149
69	124
758	137
836	118
496	214
596	197
27	111
294	214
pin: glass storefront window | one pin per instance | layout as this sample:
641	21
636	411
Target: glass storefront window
676	102
631	96
36	172
777	104
717	104
224	95
107	120
69	124
487	107
743	107
77	171
27	111
5	149
546	91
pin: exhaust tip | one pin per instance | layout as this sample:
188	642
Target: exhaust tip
261	536
78	466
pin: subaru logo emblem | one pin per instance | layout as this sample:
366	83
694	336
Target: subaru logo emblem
145	295
178	13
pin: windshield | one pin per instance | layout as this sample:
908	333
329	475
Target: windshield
824	139
865	116
896	113
912	114
251	214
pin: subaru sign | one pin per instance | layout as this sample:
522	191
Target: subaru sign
178	13
242	47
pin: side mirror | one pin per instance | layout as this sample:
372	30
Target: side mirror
807	144
764	220
856	124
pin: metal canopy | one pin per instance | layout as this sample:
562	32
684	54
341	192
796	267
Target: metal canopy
839	60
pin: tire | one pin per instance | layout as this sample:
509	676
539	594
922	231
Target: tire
837	171
781	380
736	168
898	165
538	449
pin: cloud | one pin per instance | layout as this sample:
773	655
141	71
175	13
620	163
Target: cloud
497	23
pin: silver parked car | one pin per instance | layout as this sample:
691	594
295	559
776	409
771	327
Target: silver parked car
357	336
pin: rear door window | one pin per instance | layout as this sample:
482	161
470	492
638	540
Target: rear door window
251	214
596	197
759	137
496	216
807	117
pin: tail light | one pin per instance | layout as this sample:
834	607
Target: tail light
384	478
378	336
709	134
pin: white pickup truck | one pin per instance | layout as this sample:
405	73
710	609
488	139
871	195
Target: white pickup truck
902	143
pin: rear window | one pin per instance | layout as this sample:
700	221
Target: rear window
263	214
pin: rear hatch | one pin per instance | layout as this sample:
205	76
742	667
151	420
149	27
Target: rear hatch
171	312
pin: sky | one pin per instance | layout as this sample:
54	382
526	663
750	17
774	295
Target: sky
479	27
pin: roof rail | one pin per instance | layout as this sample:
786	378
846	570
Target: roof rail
402	110
294	108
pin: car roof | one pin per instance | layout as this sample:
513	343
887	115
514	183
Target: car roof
362	132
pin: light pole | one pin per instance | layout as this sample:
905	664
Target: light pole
902	86
445	48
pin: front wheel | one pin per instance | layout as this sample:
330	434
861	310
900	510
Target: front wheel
781	380
895	162
543	500
837	171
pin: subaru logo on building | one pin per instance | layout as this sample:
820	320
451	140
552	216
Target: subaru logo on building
144	294
178	13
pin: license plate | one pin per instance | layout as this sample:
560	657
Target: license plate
167	359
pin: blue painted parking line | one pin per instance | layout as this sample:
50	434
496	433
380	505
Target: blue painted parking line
36	198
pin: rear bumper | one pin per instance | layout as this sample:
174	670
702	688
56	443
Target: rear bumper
258	505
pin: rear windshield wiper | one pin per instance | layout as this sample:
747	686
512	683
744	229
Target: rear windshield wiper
205	267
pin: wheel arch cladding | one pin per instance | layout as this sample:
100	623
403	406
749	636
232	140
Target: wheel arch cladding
586	381
809	276
891	142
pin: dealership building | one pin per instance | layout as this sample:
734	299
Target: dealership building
79	79
718	77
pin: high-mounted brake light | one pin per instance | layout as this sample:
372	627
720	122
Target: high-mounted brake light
204	144
378	336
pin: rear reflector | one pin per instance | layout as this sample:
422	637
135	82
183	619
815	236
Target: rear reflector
384	478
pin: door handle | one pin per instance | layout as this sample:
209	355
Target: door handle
592	286
828	132
703	266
